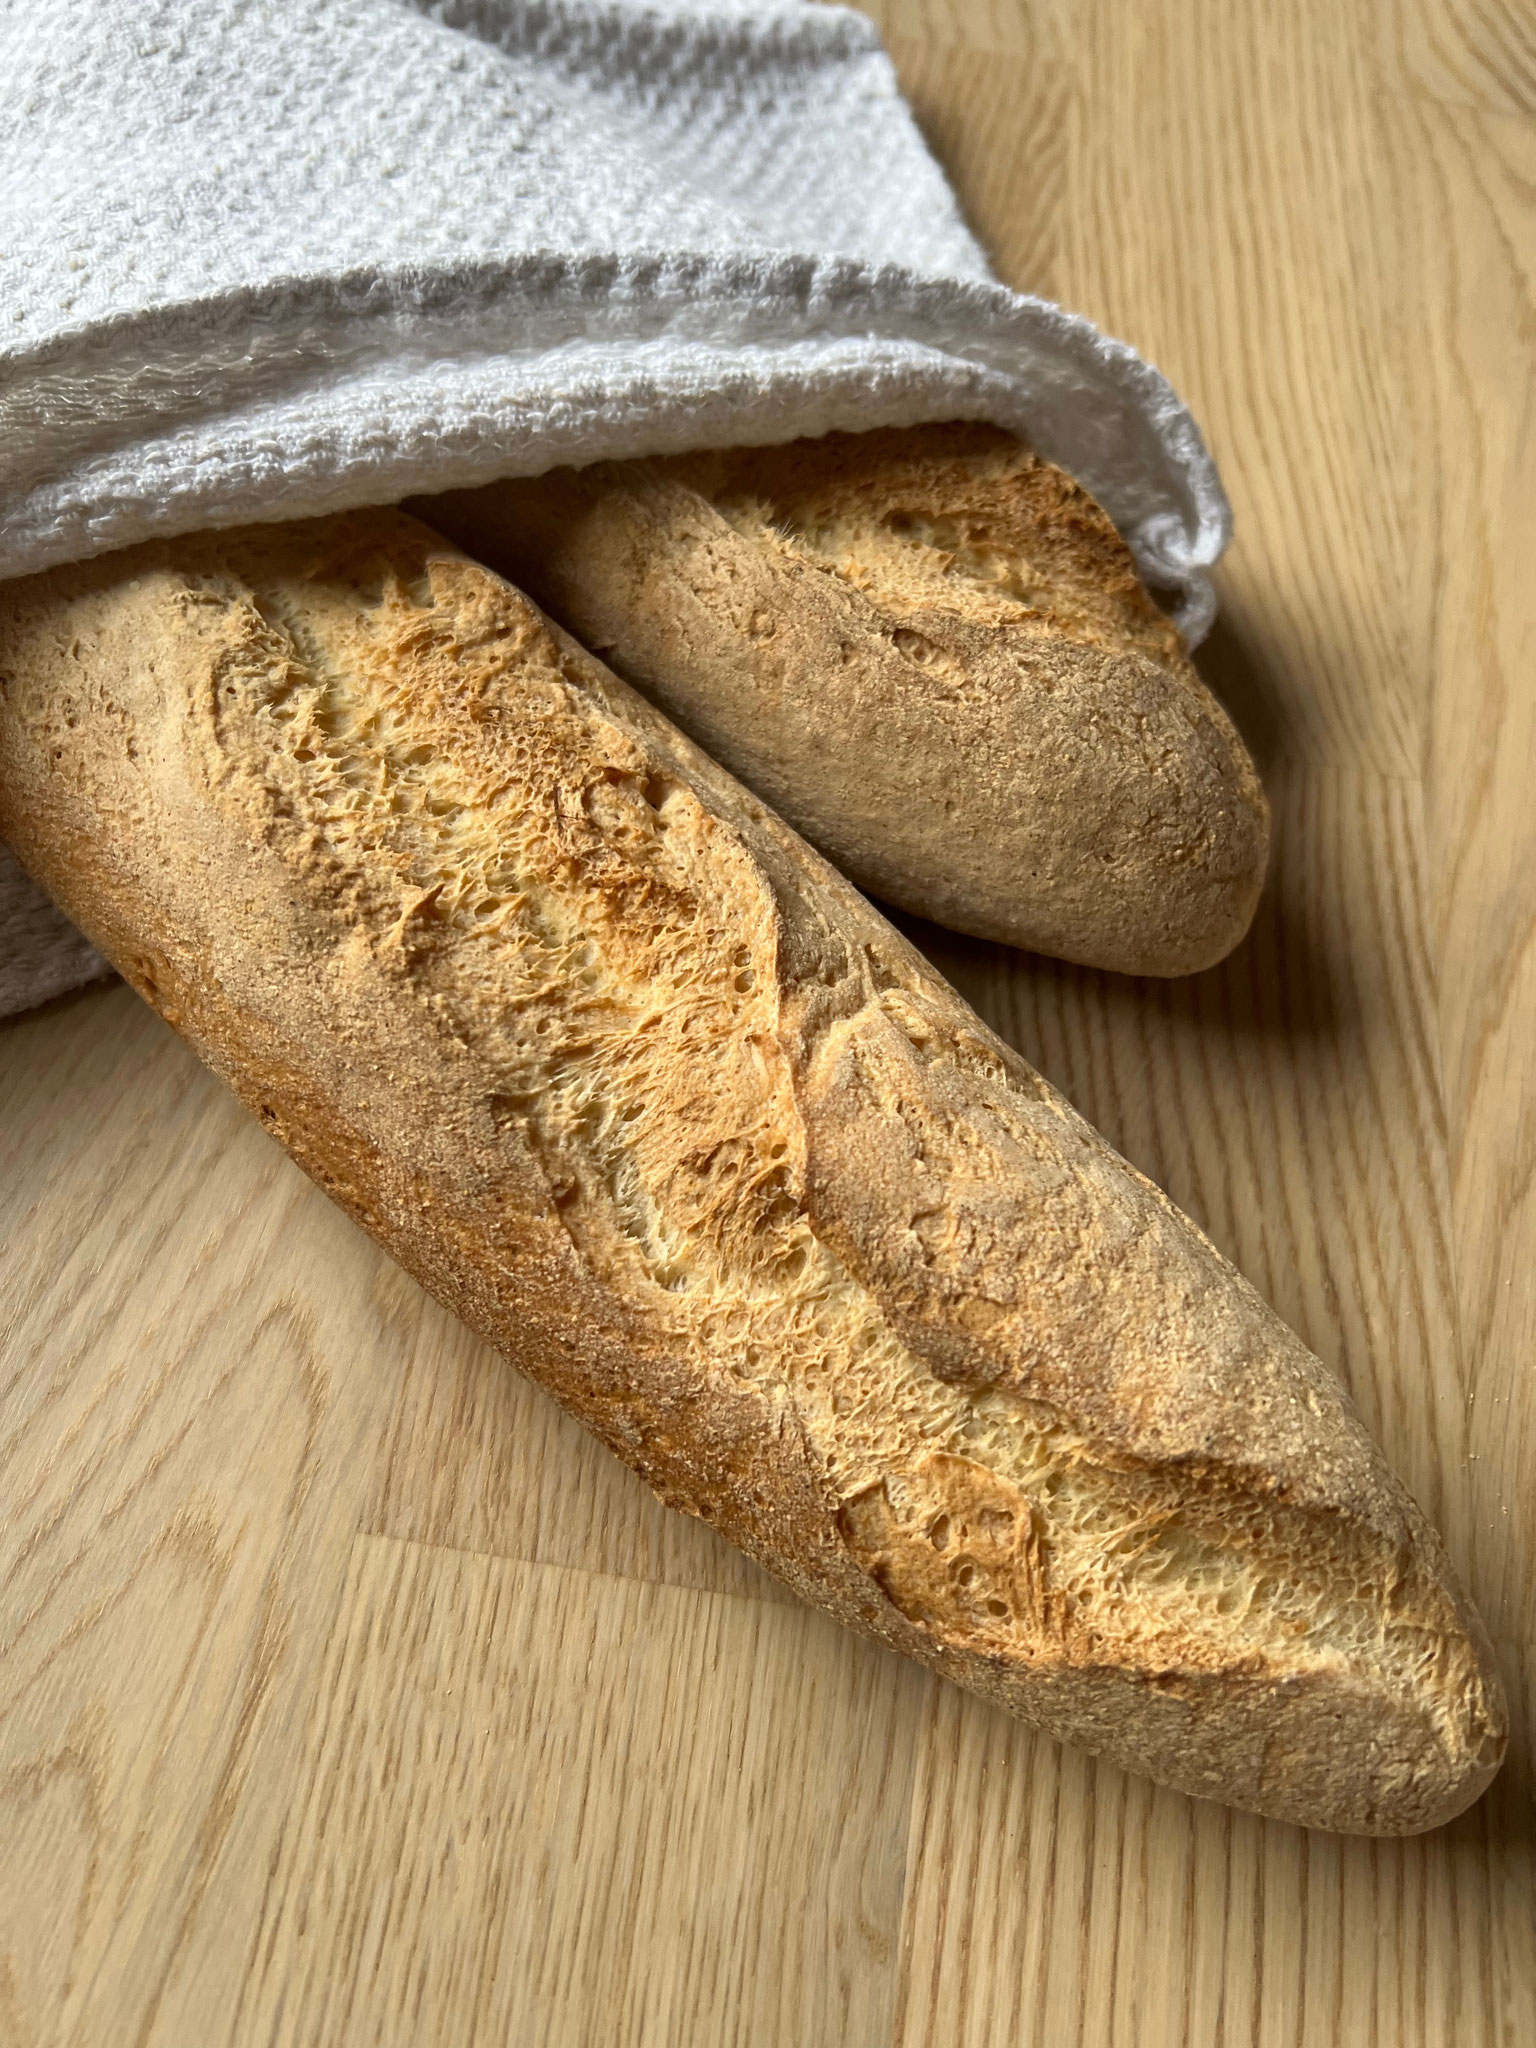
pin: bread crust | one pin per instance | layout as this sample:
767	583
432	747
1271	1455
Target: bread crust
640	1087
929	650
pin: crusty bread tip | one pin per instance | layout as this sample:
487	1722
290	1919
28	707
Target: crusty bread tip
636	1083
929	650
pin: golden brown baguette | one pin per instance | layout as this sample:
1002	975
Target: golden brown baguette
930	651
645	1091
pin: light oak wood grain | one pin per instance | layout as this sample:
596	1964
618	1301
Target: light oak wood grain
351	1694
505	1750
1466	179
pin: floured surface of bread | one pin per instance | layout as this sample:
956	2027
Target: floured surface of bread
636	1083
930	651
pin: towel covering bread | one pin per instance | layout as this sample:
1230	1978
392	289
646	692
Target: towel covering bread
514	235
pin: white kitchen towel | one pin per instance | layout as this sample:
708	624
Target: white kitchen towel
261	259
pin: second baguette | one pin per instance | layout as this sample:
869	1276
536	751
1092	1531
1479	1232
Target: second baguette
930	651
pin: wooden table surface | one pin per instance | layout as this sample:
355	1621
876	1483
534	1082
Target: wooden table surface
350	1694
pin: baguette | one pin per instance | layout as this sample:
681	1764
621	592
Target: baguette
633	1081
930	651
